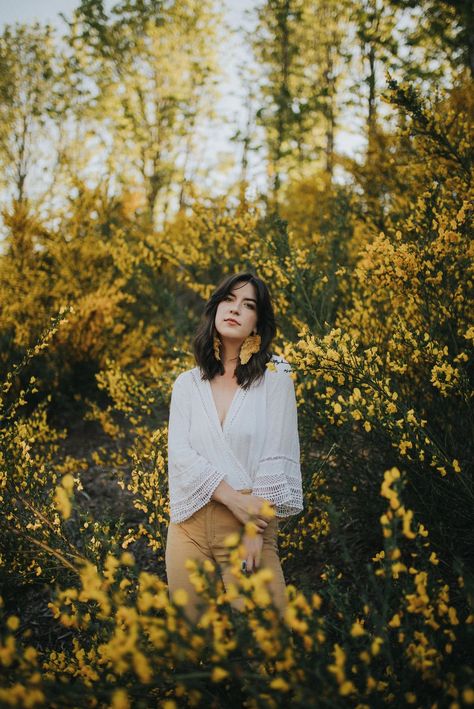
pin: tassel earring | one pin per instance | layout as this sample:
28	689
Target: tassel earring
217	344
250	346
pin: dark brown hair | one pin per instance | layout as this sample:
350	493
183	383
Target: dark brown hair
203	343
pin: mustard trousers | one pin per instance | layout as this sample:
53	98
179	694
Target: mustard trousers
201	537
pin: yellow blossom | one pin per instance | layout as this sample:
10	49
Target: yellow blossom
232	539
280	684
180	597
127	558
346	688
357	629
375	645
218	674
13	623
468	696
395	621
120	700
62	502
452	614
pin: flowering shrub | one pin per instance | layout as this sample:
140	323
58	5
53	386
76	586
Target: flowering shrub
378	564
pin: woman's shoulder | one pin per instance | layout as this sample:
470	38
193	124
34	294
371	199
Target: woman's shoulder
185	378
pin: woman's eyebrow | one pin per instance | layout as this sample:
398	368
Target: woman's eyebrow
252	299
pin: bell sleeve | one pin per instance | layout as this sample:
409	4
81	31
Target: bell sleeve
191	478
278	475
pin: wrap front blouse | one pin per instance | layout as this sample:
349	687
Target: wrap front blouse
256	448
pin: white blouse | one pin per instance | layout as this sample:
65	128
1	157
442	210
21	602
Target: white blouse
256	448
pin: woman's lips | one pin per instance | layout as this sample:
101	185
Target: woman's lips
232	322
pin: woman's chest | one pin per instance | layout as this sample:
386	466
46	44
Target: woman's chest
237	418
223	392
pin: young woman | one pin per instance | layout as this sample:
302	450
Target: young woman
232	443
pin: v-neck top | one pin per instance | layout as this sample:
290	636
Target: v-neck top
230	405
257	447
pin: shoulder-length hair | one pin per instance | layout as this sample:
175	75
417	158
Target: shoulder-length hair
203	344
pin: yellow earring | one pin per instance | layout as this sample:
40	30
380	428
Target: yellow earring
250	345
217	344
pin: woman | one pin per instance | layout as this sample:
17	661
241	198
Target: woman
232	443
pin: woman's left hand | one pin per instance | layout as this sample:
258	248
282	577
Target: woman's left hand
253	551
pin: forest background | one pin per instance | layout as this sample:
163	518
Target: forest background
116	229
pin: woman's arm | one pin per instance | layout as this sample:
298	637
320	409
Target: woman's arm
244	507
278	476
191	477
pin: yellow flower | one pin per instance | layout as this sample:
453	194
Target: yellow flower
346	688
266	510
62	503
357	629
30	654
262	598
68	483
453	618
280	684
142	667
218	674
232	540
13	623
395	622
375	646
251	529
120	700
468	696
127	558
180	597
264	575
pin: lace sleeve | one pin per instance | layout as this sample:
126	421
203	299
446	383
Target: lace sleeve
191	478
278	476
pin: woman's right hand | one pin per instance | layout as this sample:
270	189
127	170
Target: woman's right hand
248	508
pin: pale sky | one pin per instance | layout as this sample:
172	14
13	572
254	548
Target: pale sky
231	106
231	103
48	10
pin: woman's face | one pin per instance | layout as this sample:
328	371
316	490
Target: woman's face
236	315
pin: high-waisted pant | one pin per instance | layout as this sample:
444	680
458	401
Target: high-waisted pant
201	537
